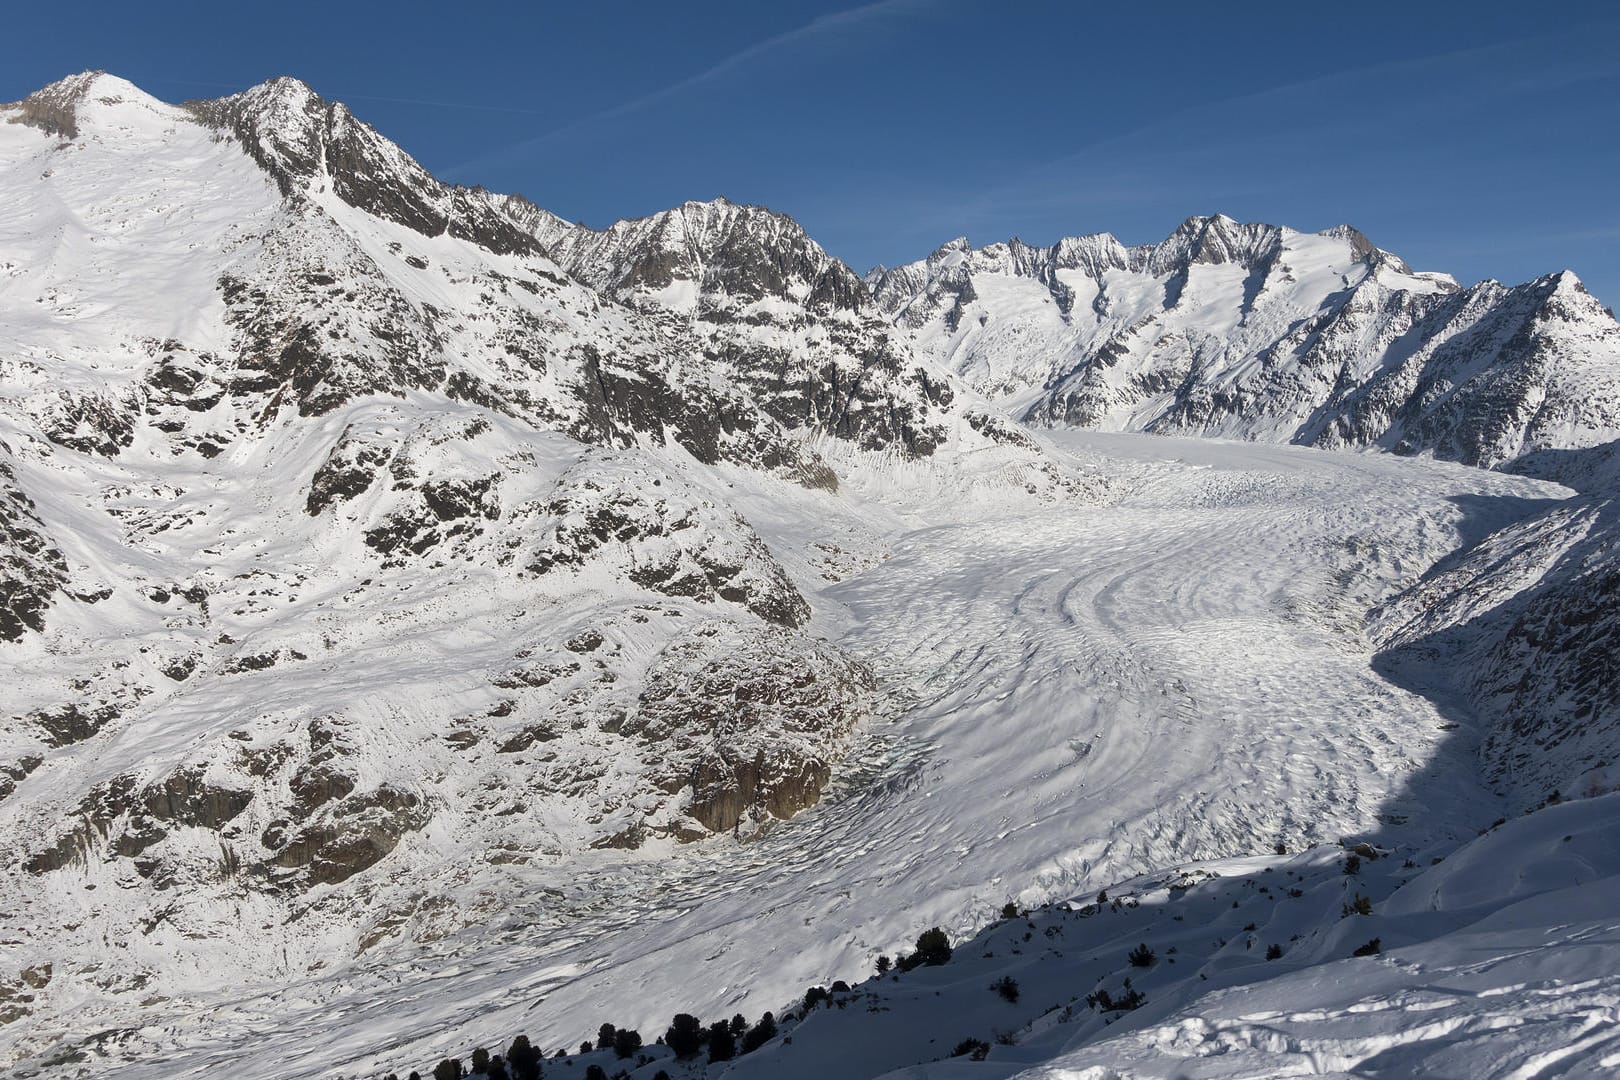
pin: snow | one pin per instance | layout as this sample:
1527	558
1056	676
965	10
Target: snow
1049	661
1252	974
1263	333
1118	661
147	206
1499	962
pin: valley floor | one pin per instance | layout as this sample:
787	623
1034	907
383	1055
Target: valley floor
1087	693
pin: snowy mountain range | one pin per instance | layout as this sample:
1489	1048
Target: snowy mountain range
1259	332
422	616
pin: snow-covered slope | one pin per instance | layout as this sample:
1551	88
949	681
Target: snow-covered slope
1521	631
1259	332
353	553
1498	961
422	618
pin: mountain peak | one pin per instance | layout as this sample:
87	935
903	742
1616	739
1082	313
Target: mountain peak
310	145
950	249
1567	280
280	88
718	201
726	250
1216	239
55	108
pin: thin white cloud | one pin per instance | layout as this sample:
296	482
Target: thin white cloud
330	95
821	27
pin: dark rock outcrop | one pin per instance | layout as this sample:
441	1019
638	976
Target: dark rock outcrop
750	723
302	140
32	568
348	836
661	534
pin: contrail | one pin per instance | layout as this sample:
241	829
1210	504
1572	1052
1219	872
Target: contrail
331	95
820	26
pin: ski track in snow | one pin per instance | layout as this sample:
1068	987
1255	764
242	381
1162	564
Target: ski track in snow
1091	692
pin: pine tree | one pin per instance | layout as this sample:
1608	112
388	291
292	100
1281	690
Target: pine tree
760	1034
524	1059
933	947
626	1042
722	1044
685	1035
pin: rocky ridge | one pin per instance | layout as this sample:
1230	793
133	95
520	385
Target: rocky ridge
1525	623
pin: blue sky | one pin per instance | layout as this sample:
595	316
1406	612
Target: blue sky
1480	138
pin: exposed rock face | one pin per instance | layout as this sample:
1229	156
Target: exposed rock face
72	721
652	528
1496	375
386	519
723	251
18	994
31	567
1259	332
620	405
54	109
348	836
764	300
11	774
91	424
337	556
408	520
750	725
444	510
349	469
1528	623
293	342
185	797
304	141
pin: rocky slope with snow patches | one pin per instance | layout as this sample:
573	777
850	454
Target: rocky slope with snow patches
765	300
1259	332
1522	628
1262	967
351	552
1495	959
